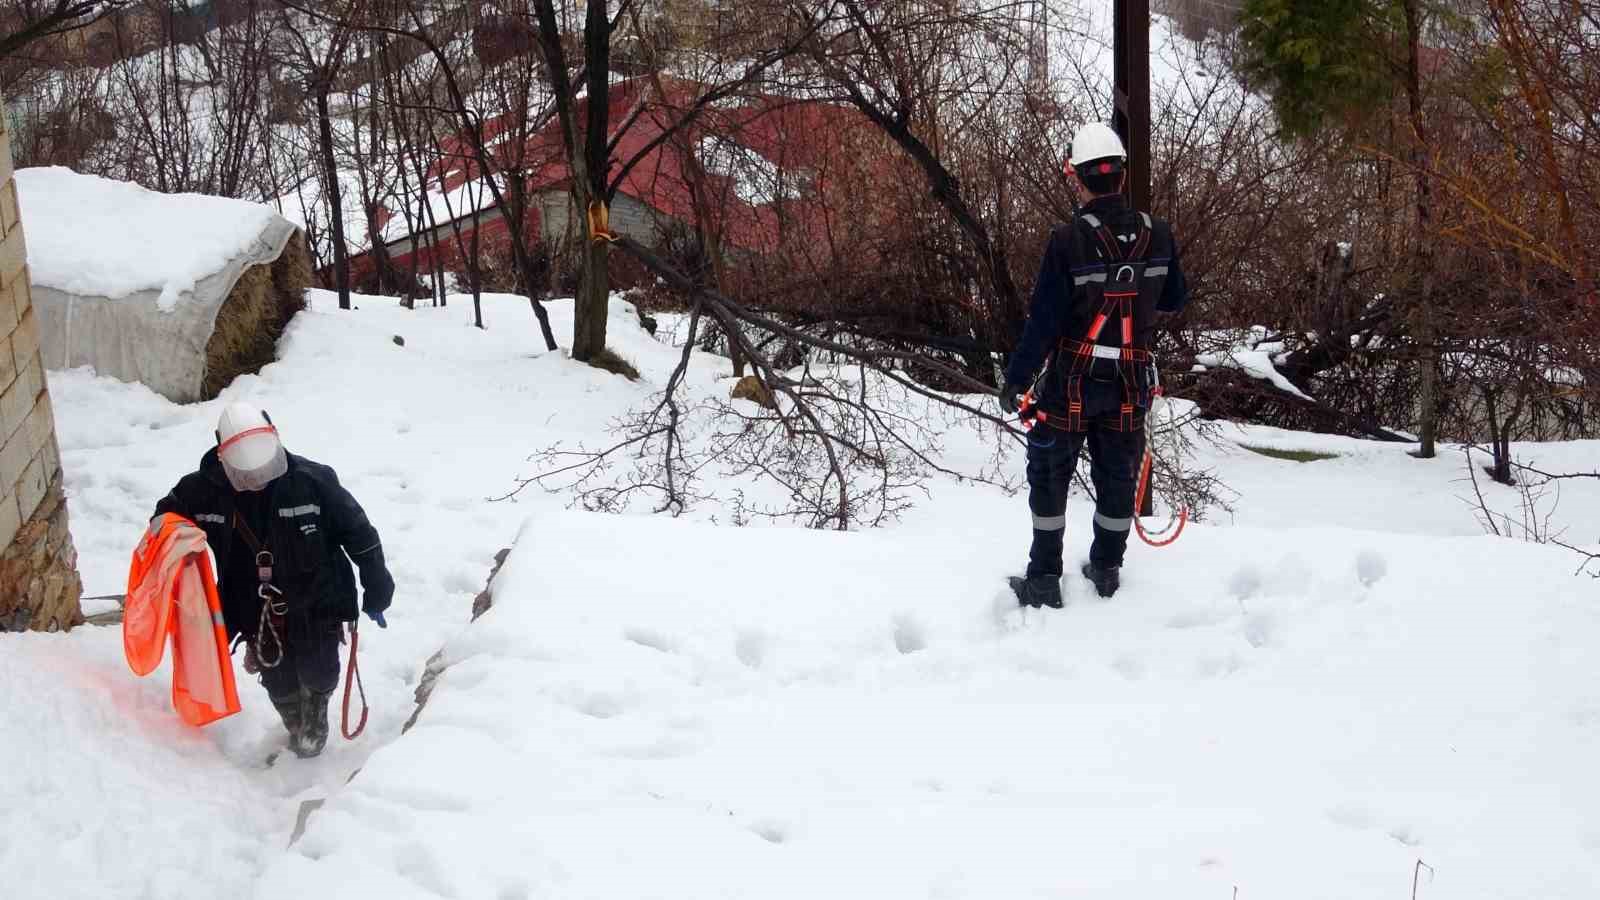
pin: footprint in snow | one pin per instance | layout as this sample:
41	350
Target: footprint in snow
1350	817
1371	567
909	635
1194	618
772	831
1260	630
1245	583
664	747
460	581
1406	835
649	637
751	648
1218	666
1131	668
600	706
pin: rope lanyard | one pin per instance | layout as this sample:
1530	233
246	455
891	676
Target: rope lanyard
1160	537
352	675
273	605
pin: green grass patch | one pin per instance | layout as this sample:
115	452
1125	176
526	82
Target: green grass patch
1299	456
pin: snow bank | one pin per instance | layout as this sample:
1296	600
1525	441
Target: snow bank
657	708
95	237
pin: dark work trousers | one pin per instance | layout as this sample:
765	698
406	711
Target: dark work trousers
310	659
1114	458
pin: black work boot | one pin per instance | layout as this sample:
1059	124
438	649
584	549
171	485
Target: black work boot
1106	578
1038	591
289	710
314	717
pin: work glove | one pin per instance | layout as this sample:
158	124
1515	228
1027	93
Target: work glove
374	606
377	586
1008	398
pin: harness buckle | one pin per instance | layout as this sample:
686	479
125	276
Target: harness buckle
1128	271
264	567
273	599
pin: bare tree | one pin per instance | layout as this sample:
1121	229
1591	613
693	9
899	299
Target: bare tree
28	21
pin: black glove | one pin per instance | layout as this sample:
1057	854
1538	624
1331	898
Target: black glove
377	587
1008	398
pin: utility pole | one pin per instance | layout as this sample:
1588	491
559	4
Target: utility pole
1131	94
1131	98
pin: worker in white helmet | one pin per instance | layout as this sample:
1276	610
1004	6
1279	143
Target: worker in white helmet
284	533
1083	373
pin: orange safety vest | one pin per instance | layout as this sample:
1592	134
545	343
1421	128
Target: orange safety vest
172	590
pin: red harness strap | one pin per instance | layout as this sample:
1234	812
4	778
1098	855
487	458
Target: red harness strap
1115	304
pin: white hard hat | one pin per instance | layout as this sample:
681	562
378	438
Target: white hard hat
249	448
1095	141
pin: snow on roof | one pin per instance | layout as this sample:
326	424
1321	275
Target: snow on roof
95	237
755	179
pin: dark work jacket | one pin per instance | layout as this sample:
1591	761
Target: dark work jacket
314	529
1059	311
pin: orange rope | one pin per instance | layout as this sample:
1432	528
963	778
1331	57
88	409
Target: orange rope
1138	503
352	676
1176	527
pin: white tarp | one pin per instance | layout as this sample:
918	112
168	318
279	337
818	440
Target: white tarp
129	281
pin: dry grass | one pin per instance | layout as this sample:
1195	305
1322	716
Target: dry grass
609	361
253	317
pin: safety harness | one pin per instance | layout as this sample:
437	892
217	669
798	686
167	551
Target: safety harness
274	606
274	609
1118	279
1121	273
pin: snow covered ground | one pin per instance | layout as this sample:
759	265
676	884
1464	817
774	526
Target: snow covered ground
1301	699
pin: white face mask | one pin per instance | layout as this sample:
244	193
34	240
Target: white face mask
253	458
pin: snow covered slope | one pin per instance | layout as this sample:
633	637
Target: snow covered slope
660	709
1301	700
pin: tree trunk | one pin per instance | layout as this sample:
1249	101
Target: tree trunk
594	292
330	168
475	272
592	302
1428	383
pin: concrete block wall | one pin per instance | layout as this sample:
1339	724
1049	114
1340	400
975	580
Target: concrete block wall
39	584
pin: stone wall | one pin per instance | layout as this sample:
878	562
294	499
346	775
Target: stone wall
39	586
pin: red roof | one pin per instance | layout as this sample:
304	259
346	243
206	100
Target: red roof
803	140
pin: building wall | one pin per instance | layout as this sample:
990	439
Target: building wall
627	216
39	585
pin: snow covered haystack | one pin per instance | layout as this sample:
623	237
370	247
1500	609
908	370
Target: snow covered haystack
180	292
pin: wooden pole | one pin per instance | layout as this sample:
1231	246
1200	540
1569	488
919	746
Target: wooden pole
1131	94
1131	117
